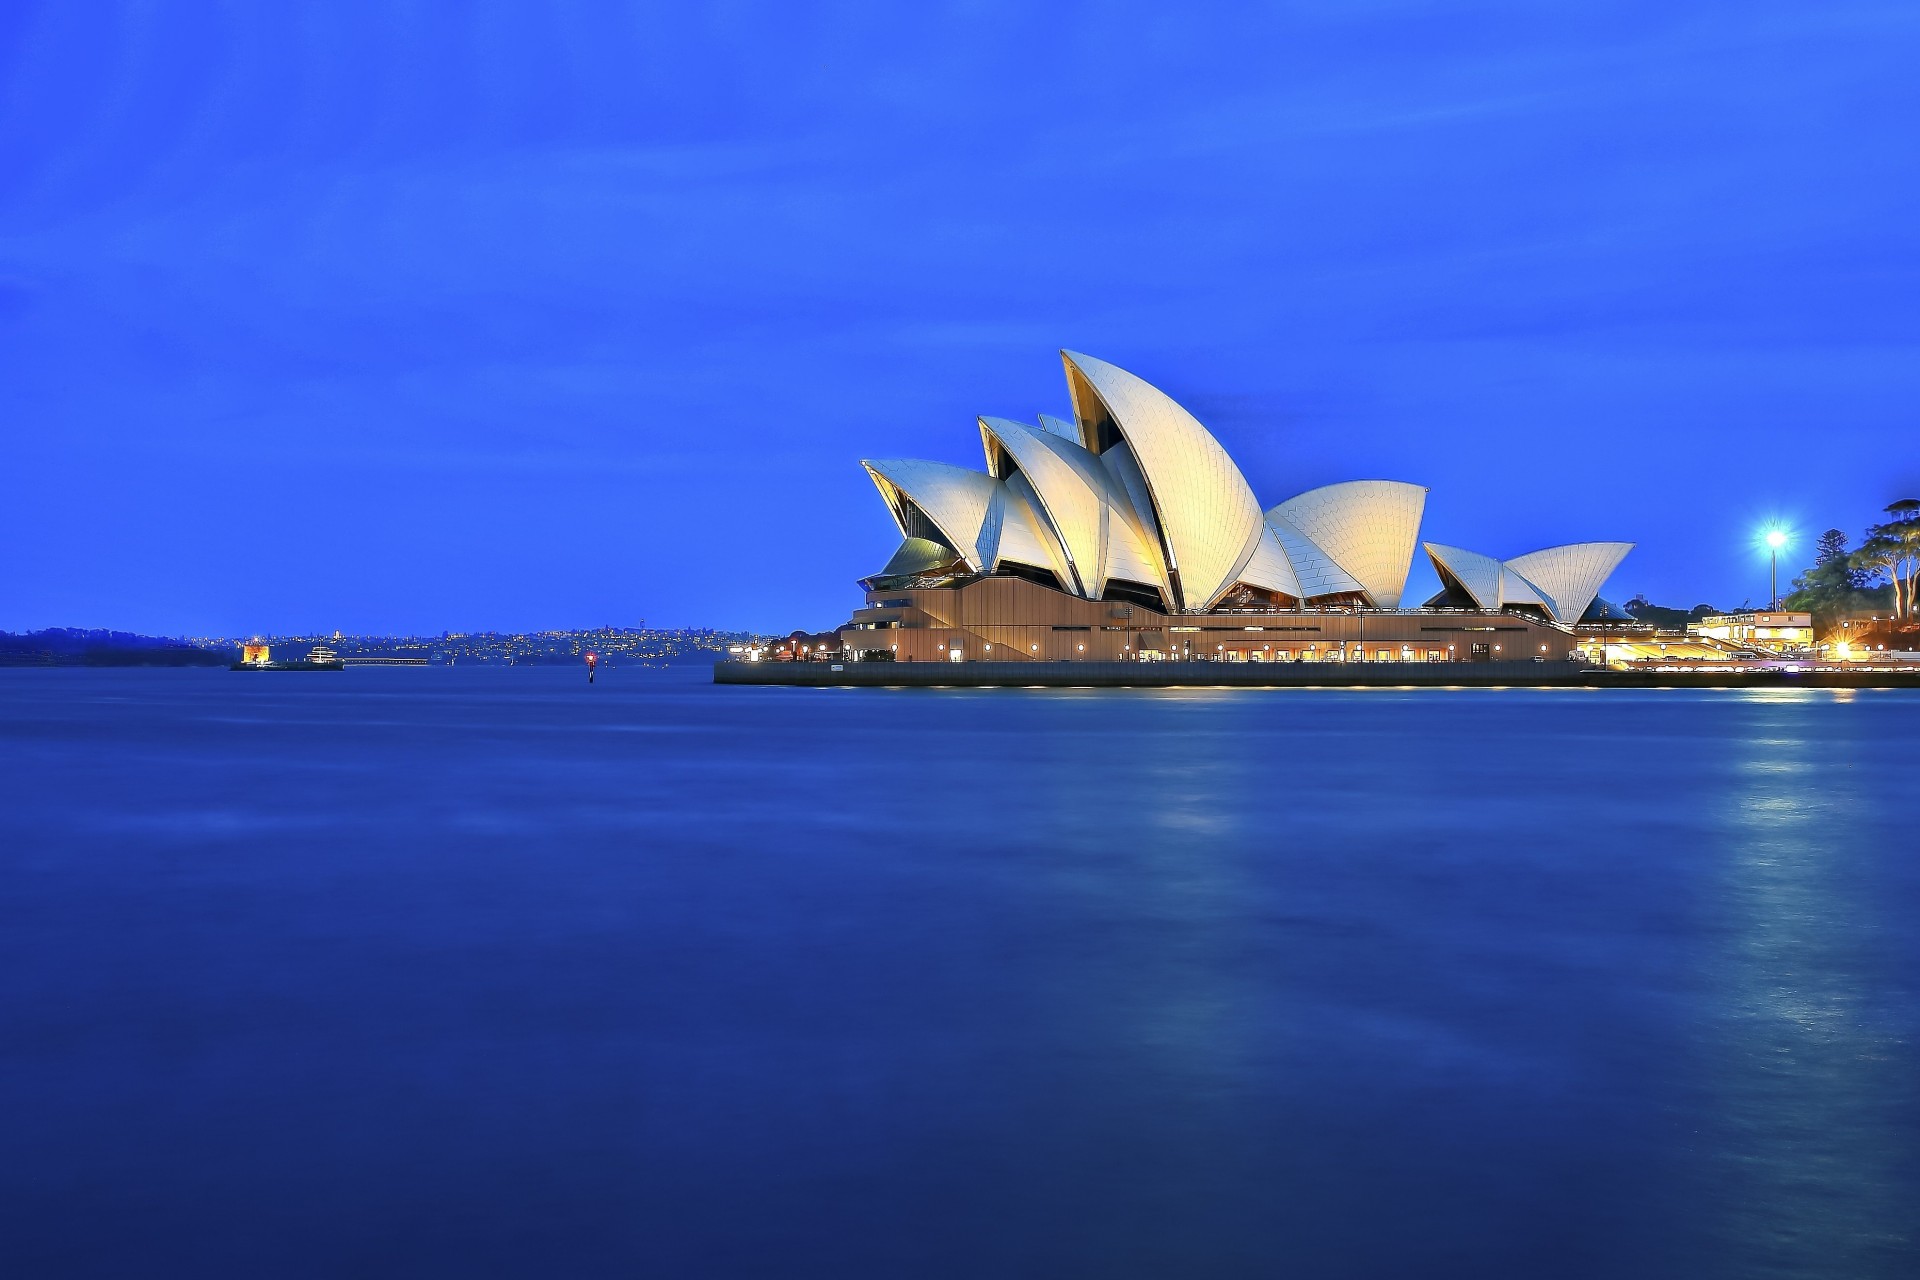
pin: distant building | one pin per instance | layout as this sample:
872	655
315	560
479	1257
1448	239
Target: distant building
254	655
1778	632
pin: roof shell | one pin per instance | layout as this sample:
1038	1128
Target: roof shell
1083	502
1270	568
1515	589
1025	535
1133	536
1562	580
1070	491
962	504
1210	522
1570	576
1477	575
914	556
1318	573
1367	527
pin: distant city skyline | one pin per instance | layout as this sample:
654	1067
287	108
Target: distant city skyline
480	319
613	645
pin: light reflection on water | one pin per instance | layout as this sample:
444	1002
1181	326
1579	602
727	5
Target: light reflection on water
495	972
1812	1100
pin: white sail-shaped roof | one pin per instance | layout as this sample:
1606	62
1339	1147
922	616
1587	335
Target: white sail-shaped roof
1070	492
1081	502
1315	569
1477	575
1367	527
1271	569
1026	537
1210	522
1561	580
1133	541
917	555
1059	427
962	504
1570	576
1515	589
1130	560
1132	486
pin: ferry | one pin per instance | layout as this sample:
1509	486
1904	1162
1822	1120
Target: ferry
257	657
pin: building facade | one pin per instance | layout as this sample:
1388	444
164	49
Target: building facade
1781	632
1009	619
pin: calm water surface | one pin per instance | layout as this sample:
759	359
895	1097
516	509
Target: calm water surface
471	973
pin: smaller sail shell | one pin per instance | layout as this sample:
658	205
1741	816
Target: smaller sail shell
961	504
1475	574
1271	570
1571	576
1026	537
916	556
1318	573
1367	527
1069	491
1561	580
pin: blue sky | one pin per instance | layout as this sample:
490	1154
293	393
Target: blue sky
478	316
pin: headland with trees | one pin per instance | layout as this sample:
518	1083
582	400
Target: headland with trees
1874	583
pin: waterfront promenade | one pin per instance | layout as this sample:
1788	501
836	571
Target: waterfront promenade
1309	675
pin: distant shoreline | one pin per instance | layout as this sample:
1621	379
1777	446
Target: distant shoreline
614	646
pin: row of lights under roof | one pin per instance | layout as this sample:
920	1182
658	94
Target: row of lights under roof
1127	648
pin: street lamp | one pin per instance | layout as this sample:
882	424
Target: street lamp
1776	539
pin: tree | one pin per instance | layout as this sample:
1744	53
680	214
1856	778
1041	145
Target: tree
1892	547
1663	617
1826	590
1831	553
1875	557
1836	587
1904	528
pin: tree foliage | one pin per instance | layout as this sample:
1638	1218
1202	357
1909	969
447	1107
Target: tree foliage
1892	548
1836	587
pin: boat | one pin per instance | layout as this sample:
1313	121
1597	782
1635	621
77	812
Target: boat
257	657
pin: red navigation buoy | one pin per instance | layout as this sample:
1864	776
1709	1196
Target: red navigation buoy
593	660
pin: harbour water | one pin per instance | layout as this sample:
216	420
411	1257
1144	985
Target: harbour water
492	972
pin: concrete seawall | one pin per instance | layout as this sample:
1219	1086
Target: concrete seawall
1276	675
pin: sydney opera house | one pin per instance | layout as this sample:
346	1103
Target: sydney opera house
1127	533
